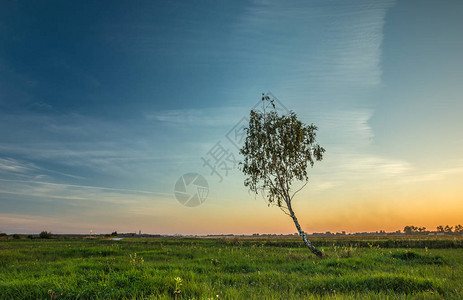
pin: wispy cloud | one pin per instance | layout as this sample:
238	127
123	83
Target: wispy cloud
214	116
351	160
84	187
418	176
78	203
348	43
28	169
71	144
12	165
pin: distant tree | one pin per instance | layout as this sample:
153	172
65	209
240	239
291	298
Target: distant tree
448	229
458	229
16	236
277	152
114	233
45	235
413	229
440	228
408	230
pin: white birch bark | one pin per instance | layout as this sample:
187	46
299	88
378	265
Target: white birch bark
303	235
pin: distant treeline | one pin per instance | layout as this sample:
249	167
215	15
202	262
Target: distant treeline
439	229
408	230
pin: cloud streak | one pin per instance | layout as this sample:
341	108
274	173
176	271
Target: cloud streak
347	51
84	187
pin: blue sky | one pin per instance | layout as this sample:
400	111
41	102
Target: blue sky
103	106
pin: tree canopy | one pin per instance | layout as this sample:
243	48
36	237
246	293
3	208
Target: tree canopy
277	152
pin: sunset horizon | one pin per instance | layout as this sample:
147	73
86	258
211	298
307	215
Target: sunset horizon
107	111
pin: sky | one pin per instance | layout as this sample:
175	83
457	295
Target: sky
104	106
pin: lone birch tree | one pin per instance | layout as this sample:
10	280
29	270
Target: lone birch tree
277	151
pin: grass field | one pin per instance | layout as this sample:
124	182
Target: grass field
232	268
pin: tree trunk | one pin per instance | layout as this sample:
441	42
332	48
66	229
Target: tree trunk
303	235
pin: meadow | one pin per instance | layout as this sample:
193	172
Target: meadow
398	267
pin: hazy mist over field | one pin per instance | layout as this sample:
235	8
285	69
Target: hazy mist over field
105	105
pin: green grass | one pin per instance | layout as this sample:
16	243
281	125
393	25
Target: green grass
259	268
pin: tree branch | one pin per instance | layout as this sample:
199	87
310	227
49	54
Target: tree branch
299	190
274	187
282	209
